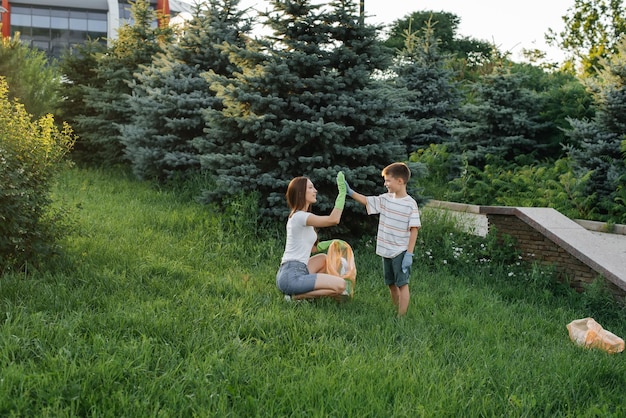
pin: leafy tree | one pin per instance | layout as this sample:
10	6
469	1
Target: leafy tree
170	95
600	139
305	102
444	26
592	31
106	104
501	119
440	168
470	56
31	77
563	97
31	153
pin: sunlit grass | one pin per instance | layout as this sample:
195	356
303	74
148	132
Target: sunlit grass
162	307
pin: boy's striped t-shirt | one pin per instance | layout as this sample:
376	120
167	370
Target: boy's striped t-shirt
397	217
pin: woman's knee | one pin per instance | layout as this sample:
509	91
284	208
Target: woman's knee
334	283
317	263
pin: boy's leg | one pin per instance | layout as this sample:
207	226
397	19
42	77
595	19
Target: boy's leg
404	297
390	279
398	282
395	294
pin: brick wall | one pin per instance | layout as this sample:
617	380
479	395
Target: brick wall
535	247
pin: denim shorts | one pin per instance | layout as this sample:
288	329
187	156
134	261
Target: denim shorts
293	278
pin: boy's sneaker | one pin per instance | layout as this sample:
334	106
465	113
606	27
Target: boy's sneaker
288	298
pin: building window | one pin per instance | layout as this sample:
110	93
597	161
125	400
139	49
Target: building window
53	29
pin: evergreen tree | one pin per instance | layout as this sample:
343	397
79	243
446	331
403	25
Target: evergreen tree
106	104
501	120
563	96
170	96
31	77
305	102
601	138
423	70
78	67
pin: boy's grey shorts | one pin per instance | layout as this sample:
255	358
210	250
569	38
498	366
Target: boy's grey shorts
293	278
392	271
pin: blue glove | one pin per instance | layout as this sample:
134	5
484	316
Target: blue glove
349	191
407	261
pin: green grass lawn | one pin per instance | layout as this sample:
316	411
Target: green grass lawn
162	307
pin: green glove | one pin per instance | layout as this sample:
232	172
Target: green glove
341	185
323	245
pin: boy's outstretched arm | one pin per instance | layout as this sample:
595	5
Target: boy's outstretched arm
356	196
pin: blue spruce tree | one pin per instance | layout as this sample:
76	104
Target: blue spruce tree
501	121
436	97
170	95
602	140
106	107
305	102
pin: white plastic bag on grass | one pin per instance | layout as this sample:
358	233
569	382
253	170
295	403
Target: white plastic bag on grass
588	333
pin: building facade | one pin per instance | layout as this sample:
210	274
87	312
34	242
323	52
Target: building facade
55	25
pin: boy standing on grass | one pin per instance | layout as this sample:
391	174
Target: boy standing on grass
397	230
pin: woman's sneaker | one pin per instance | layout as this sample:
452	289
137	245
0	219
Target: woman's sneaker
349	290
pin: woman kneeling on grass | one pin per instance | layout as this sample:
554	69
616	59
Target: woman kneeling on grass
301	276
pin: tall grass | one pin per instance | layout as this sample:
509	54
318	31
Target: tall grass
161	307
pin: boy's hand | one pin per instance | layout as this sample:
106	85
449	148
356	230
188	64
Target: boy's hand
407	261
349	191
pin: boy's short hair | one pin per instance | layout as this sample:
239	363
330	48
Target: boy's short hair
399	171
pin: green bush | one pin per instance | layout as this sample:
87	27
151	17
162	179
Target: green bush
442	166
31	152
551	185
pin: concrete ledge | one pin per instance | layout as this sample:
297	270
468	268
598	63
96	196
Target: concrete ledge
508	210
467	217
456	207
602	226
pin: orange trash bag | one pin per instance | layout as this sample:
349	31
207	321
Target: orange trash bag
588	333
340	262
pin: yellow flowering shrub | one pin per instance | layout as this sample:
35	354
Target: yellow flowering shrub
31	153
